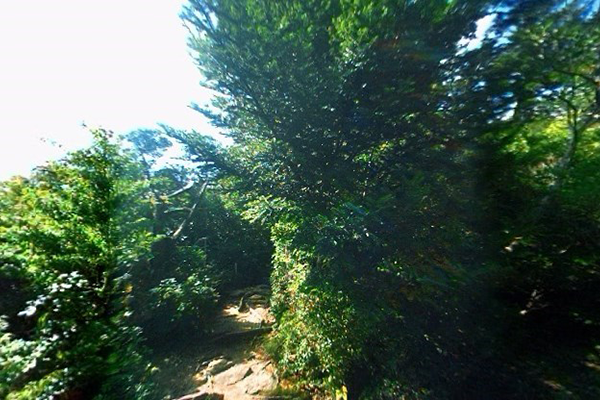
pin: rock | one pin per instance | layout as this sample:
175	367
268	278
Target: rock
257	300
235	374
217	366
251	376
248	373
203	396
261	290
200	379
259	381
243	381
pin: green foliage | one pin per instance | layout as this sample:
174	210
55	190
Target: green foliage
415	191
93	249
429	209
63	241
190	292
321	336
239	250
321	327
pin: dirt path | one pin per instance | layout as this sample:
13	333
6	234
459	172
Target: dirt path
231	368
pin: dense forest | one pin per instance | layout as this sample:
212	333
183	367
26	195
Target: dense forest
418	182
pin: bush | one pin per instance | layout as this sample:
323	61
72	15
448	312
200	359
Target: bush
61	237
191	292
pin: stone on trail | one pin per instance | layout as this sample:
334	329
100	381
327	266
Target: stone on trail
203	396
260	381
238	373
217	366
243	381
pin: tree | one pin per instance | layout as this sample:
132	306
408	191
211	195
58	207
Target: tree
529	93
69	239
392	165
345	148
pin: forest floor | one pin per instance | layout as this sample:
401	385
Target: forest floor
228	364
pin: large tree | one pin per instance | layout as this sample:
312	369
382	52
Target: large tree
385	158
345	147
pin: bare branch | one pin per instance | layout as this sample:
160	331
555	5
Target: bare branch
191	213
182	190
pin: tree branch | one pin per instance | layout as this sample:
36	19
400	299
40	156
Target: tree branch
192	212
180	191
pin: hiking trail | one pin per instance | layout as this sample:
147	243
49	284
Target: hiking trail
229	365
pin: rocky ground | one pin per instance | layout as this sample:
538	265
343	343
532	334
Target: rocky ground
230	367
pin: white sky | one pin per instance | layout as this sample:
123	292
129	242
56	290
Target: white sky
482	28
120	64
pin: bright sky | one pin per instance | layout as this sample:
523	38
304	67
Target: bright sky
120	64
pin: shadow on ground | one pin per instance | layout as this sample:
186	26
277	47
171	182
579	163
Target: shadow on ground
225	362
